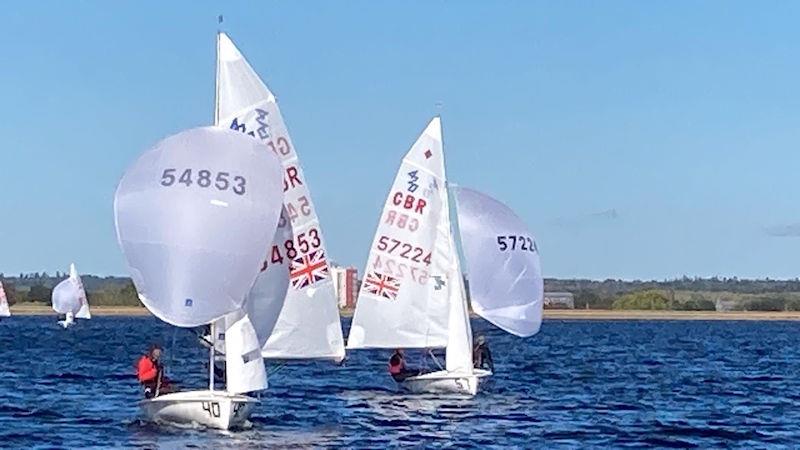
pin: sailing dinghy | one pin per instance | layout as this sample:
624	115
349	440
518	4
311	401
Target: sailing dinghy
69	298
194	216
308	326
413	294
5	311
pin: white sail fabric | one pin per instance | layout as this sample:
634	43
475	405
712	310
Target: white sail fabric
505	277
244	367
403	301
194	217
69	297
459	331
264	301
5	311
309	324
83	312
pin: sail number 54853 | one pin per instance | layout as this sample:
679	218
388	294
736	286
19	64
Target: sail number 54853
205	179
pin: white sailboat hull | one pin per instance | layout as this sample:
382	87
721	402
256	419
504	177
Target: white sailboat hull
444	382
212	409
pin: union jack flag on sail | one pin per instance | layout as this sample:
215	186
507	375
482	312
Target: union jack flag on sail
382	285
308	269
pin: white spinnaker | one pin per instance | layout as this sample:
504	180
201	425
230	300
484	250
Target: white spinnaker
194	216
309	324
69	297
244	366
83	311
505	276
403	300
5	311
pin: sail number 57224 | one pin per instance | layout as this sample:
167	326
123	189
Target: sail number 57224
505	243
205	179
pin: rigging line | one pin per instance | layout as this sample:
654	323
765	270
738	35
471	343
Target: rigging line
276	369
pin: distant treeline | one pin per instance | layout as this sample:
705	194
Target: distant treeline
687	294
38	287
694	294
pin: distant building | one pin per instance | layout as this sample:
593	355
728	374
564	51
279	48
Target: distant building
345	285
559	300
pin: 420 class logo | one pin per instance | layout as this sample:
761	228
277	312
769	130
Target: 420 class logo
261	121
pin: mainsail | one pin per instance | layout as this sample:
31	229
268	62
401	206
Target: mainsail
194	216
4	309
308	325
69	297
404	298
505	277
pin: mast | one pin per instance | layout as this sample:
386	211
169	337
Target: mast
211	357
216	75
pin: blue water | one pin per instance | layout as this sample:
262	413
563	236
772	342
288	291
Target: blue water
576	384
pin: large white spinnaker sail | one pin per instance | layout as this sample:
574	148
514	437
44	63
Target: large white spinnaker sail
69	297
5	311
404	298
309	324
505	277
194	217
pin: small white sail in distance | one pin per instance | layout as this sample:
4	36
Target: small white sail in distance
309	324
404	298
83	312
5	311
69	297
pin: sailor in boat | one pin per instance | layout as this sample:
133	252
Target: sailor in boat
204	337
150	373
481	356
398	368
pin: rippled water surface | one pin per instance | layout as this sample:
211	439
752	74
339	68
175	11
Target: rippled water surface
576	384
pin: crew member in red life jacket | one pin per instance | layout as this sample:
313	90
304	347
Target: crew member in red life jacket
397	367
150	373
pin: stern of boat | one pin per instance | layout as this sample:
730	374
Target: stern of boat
444	382
212	409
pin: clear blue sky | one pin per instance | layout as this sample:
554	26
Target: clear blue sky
681	117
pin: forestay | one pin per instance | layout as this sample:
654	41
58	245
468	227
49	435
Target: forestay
194	216
4	309
502	258
69	297
403	300
309	325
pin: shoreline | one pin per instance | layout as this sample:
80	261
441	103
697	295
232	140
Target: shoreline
38	309
33	309
610	314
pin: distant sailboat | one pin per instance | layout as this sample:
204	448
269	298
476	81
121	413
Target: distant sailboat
413	294
309	324
194	216
4	309
69	298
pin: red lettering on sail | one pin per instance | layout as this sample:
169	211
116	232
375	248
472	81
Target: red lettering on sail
408	201
292	179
